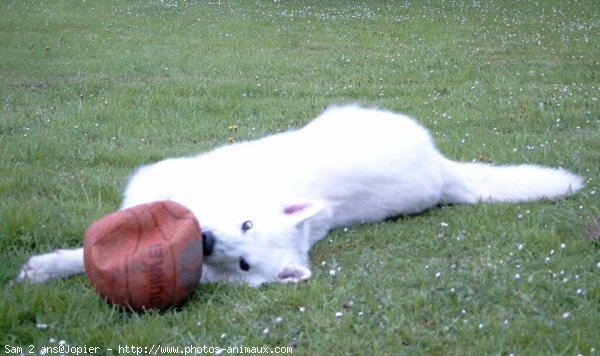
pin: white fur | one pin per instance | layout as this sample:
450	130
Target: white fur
350	165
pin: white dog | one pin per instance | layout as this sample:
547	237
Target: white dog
263	204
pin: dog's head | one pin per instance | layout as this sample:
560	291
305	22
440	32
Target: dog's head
259	244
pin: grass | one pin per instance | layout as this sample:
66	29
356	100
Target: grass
90	90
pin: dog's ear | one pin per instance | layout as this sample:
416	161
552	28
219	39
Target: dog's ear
303	210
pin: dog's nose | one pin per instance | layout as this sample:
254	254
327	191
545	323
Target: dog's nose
208	242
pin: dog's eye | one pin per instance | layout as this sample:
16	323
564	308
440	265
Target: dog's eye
244	266
247	225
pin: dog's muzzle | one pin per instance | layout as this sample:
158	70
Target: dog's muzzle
208	242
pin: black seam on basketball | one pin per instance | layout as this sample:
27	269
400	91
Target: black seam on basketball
126	262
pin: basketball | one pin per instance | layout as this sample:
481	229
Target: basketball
145	257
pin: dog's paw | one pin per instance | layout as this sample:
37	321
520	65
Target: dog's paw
294	274
37	269
57	264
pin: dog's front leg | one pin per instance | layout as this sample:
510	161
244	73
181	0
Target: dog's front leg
56	264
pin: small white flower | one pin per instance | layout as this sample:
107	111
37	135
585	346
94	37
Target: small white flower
338	314
566	315
332	272
265	331
517	276
302	309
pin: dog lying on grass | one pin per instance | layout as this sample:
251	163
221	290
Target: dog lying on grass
263	204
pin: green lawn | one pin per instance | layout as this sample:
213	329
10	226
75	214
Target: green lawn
92	89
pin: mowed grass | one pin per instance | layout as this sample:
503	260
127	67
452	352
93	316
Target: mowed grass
91	90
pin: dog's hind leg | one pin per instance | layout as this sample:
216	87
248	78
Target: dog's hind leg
56	264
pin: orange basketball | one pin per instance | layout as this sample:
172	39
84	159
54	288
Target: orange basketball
145	257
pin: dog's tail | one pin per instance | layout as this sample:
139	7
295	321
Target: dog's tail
475	182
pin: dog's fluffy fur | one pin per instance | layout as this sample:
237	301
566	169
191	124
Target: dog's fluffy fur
350	165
